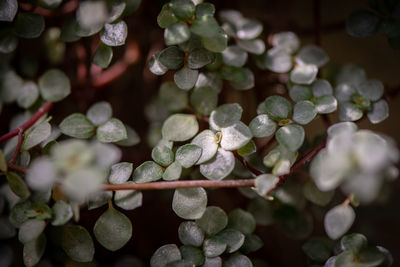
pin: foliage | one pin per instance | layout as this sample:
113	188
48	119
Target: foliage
51	171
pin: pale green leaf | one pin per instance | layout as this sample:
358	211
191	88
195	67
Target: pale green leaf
113	229
188	154
34	250
111	131
180	127
200	57
183	9
249	29
204	9
205	26
262	126
287	41
148	171
276	60
172	57
207	141
114	34
164	255
338	220
38	134
242	221
192	255
77	243
172	96
312	54
190	234
321	87
133	137
216	43
371	89
204	99
233	239
213	220
156	66
128	199
265	183
30	230
18	185
247	149
172	172
186	78
163	155
120	172
349	112
103	56
304	112
290	136
220	166
304	74
214	246
234	56
28	94
235	136
62	213
176	33
189	203
277	107
54	85
325	104
238	260
225	115
379	112
255	46
99	112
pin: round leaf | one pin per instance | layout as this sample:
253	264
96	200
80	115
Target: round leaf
189	203
128	199
172	96
225	115
321	87
114	34
186	78
199	57
256	46
277	107
379	112
183	9
290	136
235	136
120	172
172	172
238	260
371	89
190	234
103	56
99	112
214	246
304	112
176	33
299	92
234	56
38	134
187	155
164	255
77	243
325	104
349	112
338	220
147	172
216	43
205	26
213	220
233	239
304	74
111	131
30	230
242	221
265	183
54	85
62	213
220	167
29	25
34	250
29	93
207	141
312	54
262	126
172	57
113	229
18	185
204	99
362	23
180	127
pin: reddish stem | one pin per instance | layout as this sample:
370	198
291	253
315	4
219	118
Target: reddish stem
42	110
17	168
19	145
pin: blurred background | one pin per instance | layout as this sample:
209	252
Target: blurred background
155	224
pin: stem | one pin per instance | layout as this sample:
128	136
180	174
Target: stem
247	164
211	183
17	168
19	145
42	110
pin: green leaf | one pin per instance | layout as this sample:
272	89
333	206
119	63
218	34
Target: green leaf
18	185
205	26
318	248
247	149
207	141
235	136
304	112
114	34
28	95
91	16
113	229
163	155
186	78
77	125
234	74
10	87
234	56
325	104
216	43
34	250
120	172
79	185
265	183
262	126
128	199
182	9
190	234
156	66
38	134
111	131
77	243
214	246
354	242
249	29
176	33
367	257
148	171
132	139
41	174
54	85
313	194
172	172
352	75
62	213
166	17
349	112
379	112
189	203
247	83
276	60
213	220
8	10
30	230
164	255
242	221
205	9
172	97
219	167
251	244
304	74
180	127
199	57
8	40
99	112
192	254
103	56
29	25
290	136
371	89
233	239
338	220
188	154
204	99
277	107
172	57
116	8
287	41
212	262
312	54
321	87
362	23
225	115
255	46
238	260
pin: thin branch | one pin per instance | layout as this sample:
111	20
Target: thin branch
19	145
66	8
42	110
17	168
211	183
